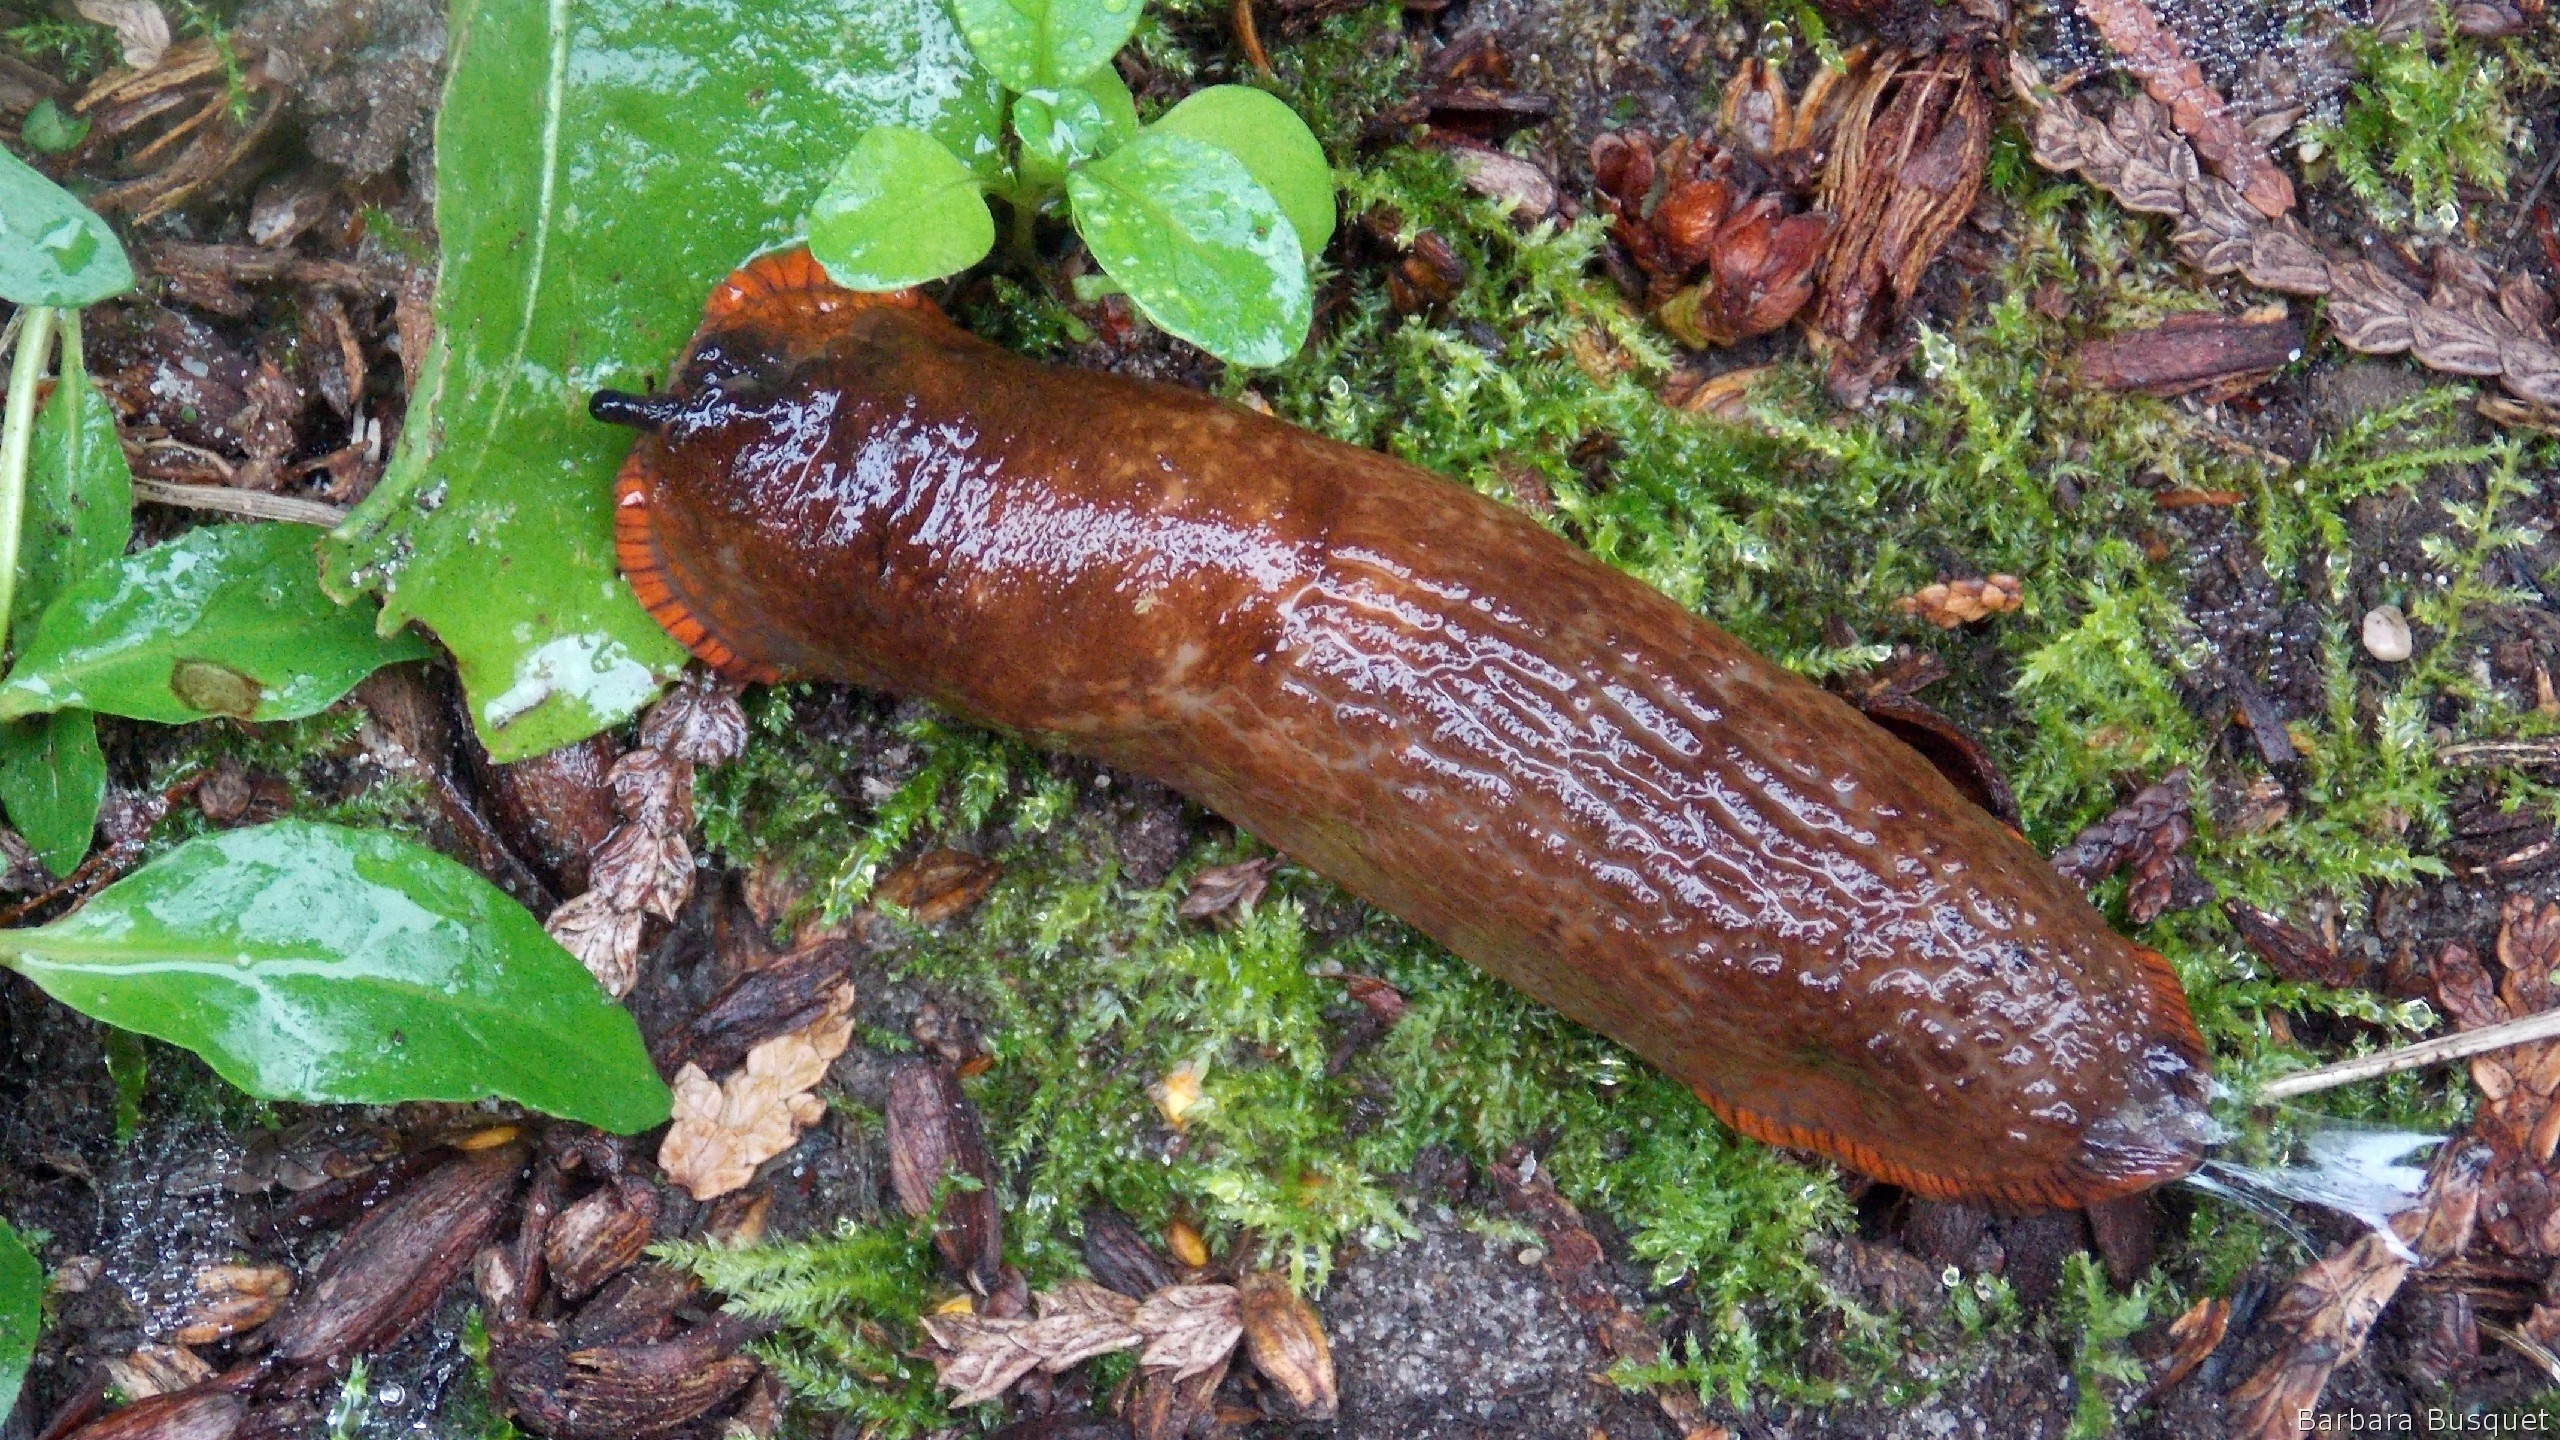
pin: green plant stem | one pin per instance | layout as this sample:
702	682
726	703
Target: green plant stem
1024	247
35	342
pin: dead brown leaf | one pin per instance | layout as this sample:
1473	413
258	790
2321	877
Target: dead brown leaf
157	1370
1189	1328
233	1298
938	885
723	1131
1222	888
1285	1341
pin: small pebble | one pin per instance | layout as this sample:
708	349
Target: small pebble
2386	634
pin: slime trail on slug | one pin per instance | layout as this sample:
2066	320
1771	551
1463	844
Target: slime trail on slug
1548	767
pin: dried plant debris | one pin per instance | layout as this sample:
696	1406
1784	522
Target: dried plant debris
722	1131
387	1272
940	1168
2153	56
1184	1334
1223	890
2467	321
232	1298
1906	165
1950	603
937	886
2330	1309
1721	259
626	1388
644	868
2212	356
2156	818
2518	1114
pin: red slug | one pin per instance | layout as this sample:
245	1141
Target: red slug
1551	769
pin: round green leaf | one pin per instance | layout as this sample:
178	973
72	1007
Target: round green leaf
53	249
21	1312
1064	127
901	210
1201	247
224	620
1261	130
1041	44
53	778
311	962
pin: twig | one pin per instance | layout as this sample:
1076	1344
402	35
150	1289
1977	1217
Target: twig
232	501
2501	1036
2522	1343
1251	39
2524	207
2483	754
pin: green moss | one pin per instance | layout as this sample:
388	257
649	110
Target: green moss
2423	121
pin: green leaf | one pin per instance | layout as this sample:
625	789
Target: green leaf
1066	126
223	620
902	210
1259	129
599	167
53	249
21	1313
311	962
53	779
1042	44
48	131
79	505
1204	250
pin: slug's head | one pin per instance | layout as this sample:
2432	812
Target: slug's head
759	326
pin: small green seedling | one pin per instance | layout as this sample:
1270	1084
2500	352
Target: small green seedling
1206	218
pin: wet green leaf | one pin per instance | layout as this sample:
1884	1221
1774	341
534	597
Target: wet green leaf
1063	127
149	636
1204	250
79	508
49	131
21	1312
598	169
1259	129
53	249
1039	44
53	779
901	210
310	962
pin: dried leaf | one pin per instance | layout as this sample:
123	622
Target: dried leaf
699	722
1189	1328
621	1390
1120	1257
604	937
934	1136
2292	952
230	1299
2151	52
389	1269
598	1237
158	1370
937	885
2188	353
1222	888
1284	1340
722	1132
983	1361
141	30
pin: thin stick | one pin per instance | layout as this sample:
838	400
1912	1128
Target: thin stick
1251	39
2543	1026
230	500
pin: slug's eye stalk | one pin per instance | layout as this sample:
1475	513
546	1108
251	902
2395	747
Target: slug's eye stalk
640	412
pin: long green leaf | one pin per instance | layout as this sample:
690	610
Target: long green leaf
21	1312
53	779
599	167
310	962
79	489
224	620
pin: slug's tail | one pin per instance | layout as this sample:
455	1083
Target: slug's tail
787	293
